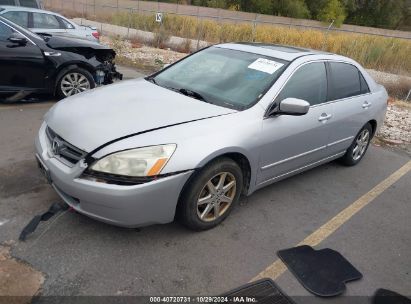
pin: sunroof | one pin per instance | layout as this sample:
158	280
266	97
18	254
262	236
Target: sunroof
280	48
287	49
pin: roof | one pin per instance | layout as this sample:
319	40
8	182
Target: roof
25	9
283	52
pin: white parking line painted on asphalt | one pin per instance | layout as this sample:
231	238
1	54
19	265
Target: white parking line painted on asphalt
22	107
3	221
277	268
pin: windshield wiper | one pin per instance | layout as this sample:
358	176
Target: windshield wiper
183	91
193	94
151	79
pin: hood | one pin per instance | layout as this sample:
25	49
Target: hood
93	118
62	41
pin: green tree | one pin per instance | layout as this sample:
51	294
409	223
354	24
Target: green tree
394	14
315	6
379	13
332	10
290	8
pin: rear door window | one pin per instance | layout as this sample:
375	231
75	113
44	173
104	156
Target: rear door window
309	83
45	21
344	81
20	18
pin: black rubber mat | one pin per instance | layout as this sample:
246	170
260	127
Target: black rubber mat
264	291
384	296
322	272
32	225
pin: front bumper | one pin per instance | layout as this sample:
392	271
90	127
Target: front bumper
128	206
110	73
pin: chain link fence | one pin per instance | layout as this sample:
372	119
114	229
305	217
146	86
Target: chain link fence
187	28
97	8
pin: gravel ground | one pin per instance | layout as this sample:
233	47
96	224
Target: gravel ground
142	55
397	127
383	77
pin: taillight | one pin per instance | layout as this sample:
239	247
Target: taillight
96	35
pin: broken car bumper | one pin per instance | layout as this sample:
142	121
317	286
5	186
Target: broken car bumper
129	206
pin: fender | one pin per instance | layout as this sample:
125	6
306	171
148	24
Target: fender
90	159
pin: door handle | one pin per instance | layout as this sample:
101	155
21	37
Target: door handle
324	117
366	105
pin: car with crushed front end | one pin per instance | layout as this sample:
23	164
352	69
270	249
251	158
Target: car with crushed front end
187	141
46	64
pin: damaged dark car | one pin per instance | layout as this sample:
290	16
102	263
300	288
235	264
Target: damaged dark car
45	64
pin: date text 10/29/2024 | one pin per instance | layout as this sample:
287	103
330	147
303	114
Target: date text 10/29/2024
204	299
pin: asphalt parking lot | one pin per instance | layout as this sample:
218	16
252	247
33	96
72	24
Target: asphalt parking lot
80	256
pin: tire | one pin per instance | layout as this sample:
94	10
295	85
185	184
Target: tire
83	82
216	205
359	147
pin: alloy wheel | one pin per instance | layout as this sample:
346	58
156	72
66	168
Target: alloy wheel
74	83
216	197
361	144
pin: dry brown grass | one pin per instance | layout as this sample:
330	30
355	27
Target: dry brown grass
375	52
402	104
398	89
380	53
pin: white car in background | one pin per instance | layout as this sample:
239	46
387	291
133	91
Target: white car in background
26	3
46	22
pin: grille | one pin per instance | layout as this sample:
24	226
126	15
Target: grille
66	152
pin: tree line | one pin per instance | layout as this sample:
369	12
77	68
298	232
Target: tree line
390	14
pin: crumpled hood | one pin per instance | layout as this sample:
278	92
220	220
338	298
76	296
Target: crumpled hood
60	41
93	118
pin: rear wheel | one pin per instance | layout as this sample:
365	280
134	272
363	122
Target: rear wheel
359	147
74	81
211	195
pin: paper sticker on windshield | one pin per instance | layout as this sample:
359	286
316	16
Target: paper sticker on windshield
265	65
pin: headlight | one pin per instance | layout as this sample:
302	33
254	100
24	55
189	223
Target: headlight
147	161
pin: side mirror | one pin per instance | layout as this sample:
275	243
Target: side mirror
18	39
292	106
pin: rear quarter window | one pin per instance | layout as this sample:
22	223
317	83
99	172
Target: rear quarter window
65	23
344	81
364	85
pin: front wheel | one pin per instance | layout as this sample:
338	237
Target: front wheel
211	194
74	81
359	146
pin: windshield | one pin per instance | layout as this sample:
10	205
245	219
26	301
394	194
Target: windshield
224	77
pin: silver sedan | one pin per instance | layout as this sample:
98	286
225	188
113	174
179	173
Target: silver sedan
187	141
46	22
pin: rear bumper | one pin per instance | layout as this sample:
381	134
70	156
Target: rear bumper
128	206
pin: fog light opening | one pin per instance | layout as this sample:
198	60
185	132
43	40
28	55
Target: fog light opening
100	75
